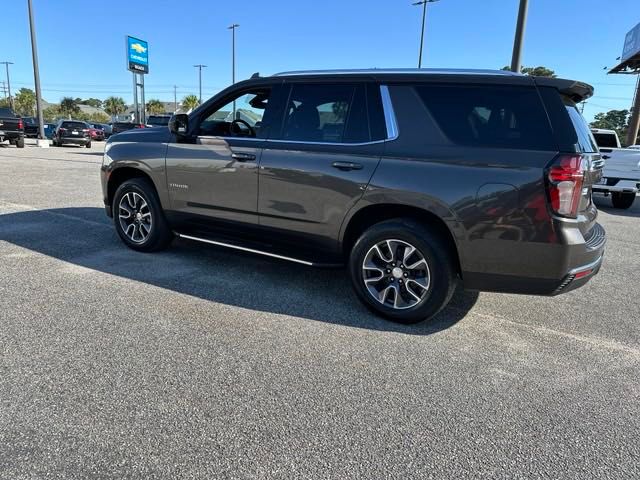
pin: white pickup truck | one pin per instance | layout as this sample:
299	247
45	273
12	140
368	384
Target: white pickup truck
621	174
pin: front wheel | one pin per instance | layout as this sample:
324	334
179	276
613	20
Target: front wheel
622	200
402	271
138	216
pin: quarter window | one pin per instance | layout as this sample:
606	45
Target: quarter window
488	116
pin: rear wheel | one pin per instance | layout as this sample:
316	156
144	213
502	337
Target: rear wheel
88	145
138	216
622	200
12	142
20	142
402	271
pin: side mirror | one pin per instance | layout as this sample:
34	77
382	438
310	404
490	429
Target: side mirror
179	124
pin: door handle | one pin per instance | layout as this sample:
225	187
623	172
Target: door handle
606	157
346	166
243	157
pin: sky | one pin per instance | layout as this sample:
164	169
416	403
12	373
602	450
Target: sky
81	44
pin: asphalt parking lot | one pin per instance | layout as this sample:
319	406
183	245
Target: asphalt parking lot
204	363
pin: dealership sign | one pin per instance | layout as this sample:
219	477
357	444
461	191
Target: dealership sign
137	55
631	43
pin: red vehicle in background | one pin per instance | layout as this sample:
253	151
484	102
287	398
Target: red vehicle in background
95	132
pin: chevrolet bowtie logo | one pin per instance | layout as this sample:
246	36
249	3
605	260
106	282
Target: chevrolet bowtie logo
138	48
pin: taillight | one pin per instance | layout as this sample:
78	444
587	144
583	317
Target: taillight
20	124
566	178
62	129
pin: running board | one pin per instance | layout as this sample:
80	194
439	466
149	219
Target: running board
245	249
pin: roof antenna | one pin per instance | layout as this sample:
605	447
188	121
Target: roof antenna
256	75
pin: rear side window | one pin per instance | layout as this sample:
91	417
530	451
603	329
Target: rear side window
326	113
489	116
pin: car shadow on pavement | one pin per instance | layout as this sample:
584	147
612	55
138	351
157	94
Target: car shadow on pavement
86	237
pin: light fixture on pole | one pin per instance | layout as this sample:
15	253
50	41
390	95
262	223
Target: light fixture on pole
200	67
424	17
6	65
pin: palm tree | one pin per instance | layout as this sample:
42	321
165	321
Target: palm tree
69	106
155	107
190	102
115	106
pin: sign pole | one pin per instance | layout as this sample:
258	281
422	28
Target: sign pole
634	123
143	106
135	97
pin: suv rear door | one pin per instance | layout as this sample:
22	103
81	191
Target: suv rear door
317	165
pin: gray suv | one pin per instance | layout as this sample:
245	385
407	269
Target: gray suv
416	180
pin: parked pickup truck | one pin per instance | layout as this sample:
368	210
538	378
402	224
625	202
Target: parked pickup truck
11	127
621	175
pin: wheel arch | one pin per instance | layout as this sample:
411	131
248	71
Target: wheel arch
120	175
369	215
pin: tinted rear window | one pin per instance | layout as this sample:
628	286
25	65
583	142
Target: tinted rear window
158	121
606	140
6	113
74	125
489	116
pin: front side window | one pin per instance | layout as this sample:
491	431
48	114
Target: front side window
322	113
240	117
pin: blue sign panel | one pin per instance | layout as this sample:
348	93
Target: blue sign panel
137	55
631	43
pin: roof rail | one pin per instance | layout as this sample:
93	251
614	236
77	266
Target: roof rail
425	71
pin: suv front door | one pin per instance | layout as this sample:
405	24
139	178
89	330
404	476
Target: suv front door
212	173
319	163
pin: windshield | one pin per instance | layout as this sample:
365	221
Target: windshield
606	140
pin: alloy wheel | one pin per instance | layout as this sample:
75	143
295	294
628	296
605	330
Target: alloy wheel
396	274
135	217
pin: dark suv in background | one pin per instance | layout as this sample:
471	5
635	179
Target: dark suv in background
416	180
73	132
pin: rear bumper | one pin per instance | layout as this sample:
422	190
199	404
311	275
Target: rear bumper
559	268
74	141
9	135
623	186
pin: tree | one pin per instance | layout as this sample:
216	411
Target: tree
51	114
25	102
69	106
538	71
190	102
155	107
4	102
93	102
617	120
114	106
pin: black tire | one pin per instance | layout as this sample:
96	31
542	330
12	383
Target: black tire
159	237
622	200
429	244
88	145
12	142
20	142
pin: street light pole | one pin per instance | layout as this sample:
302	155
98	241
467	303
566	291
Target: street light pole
424	17
6	65
36	72
200	67
233	51
175	98
516	63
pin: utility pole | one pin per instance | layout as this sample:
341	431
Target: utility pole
36	75
634	122
175	98
200	67
424	17
516	59
6	66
